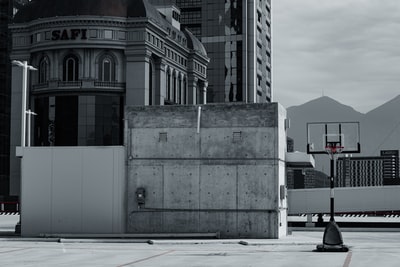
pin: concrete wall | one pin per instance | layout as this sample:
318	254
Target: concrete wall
221	175
72	190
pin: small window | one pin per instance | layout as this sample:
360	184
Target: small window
163	137
237	137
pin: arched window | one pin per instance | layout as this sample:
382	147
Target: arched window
71	68
107	69
44	70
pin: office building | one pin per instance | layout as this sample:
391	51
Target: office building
93	59
237	37
369	171
359	171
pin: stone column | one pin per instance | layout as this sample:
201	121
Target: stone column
176	86
168	82
160	82
203	89
181	89
137	78
192	90
173	86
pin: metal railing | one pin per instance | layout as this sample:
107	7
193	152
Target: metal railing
70	84
41	85
109	84
78	84
9	207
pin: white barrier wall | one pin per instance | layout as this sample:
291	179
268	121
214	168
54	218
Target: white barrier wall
347	199
72	190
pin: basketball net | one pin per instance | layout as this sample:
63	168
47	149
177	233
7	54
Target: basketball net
333	148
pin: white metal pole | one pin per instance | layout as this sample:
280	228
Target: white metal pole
25	67
23	114
28	126
198	119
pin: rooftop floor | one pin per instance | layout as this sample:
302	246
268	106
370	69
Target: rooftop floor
366	249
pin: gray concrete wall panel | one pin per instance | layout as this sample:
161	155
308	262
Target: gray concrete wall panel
154	117
218	187
151	178
238	115
224	222
257	188
181	221
164	143
181	187
238	142
145	222
257	224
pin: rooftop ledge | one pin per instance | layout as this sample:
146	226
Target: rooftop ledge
299	160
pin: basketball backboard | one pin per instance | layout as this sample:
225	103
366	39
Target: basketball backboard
343	135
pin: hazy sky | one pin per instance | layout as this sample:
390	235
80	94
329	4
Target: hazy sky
345	49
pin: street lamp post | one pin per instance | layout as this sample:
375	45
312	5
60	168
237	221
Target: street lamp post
25	68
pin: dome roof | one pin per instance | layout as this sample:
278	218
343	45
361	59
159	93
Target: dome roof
37	9
194	43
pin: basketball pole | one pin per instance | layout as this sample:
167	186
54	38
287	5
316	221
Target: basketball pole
332	239
332	188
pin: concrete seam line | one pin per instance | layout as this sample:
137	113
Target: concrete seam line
145	259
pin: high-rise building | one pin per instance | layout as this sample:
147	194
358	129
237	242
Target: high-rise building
237	37
359	171
369	171
5	15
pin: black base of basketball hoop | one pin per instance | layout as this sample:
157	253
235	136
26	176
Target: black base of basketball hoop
330	248
332	240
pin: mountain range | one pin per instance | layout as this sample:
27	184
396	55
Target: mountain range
379	128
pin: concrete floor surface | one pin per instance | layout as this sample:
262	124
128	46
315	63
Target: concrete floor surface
366	249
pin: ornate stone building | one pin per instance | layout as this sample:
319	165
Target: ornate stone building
94	58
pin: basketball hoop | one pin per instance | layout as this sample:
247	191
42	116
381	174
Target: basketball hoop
333	148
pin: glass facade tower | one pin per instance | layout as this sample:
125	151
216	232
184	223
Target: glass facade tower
237	37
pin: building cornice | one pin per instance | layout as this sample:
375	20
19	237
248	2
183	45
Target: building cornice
92	21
